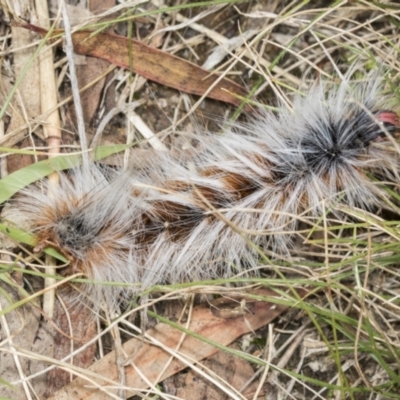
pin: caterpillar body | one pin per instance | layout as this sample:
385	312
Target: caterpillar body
173	220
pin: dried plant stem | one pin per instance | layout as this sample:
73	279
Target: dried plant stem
74	84
51	129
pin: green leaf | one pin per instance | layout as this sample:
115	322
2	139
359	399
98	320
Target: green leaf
27	238
18	235
16	181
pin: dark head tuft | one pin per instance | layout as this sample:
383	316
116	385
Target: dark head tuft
73	234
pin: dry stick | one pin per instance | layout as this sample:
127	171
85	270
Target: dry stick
69	50
3	161
51	130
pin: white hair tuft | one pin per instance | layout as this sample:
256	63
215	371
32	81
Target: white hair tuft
172	222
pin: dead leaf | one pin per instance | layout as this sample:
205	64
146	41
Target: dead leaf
232	369
82	325
153	64
20	329
150	358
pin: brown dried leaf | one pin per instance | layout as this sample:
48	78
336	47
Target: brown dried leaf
153	64
19	328
232	369
150	359
82	325
157	65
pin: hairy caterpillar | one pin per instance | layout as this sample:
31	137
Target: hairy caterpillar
172	220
